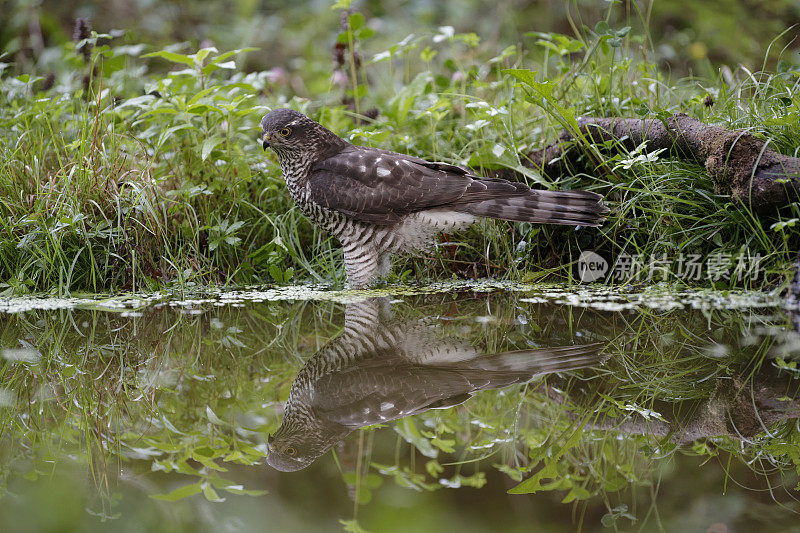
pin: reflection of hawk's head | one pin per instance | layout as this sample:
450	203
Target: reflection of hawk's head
297	443
292	134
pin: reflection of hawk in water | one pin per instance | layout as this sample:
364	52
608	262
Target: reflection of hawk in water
379	370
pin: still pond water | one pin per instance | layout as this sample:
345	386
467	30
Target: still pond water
459	407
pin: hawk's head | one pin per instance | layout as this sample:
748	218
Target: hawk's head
299	442
292	134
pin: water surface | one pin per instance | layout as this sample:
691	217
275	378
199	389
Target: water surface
470	406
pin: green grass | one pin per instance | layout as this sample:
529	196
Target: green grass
123	177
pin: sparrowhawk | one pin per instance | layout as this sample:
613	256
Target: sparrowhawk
377	202
381	369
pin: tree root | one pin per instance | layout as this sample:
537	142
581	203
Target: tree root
739	163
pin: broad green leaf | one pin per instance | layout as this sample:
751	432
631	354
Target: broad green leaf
160	111
179	493
344	37
209	145
235	455
356	20
201	109
523	75
185	72
276	273
137	101
212	417
201	94
213	67
208	463
576	493
408	430
238	489
173	57
210	494
200	56
225	55
166	134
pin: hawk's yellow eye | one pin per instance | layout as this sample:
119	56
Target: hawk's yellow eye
285	132
291	451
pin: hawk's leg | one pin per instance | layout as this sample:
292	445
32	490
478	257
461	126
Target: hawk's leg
364	318
360	265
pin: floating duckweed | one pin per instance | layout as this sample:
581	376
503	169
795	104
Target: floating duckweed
23	355
7	398
599	297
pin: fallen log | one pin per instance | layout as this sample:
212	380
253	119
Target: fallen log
740	164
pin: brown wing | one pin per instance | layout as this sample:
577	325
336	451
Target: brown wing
373	393
381	187
385	385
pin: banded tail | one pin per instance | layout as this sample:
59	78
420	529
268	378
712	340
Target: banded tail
494	371
572	208
542	360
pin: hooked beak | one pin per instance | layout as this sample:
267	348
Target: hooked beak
265	141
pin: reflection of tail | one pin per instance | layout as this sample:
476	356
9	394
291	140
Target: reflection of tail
547	207
542	360
508	368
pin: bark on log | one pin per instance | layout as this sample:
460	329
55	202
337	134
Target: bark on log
739	163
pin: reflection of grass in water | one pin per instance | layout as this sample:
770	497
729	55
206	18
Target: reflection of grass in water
657	365
197	394
117	386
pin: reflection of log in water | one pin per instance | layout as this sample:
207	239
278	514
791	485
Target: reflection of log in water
381	369
739	407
